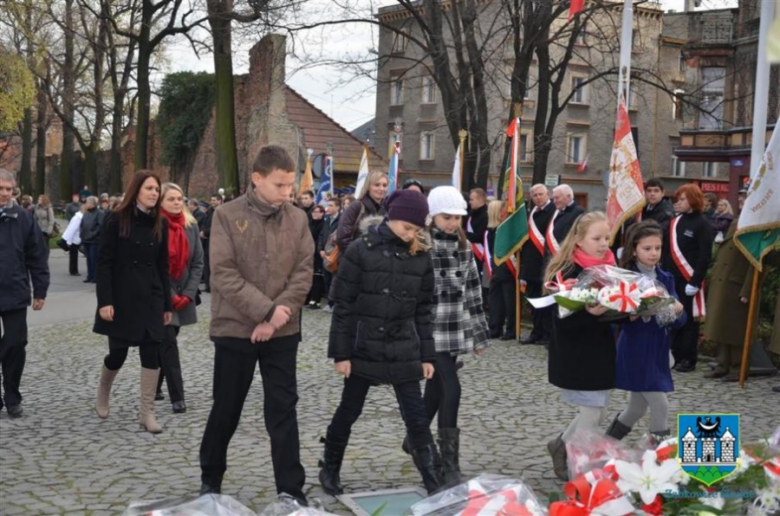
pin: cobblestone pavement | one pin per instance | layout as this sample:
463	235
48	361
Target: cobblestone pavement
61	458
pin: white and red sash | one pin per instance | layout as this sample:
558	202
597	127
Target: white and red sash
487	258
699	307
479	250
536	237
552	243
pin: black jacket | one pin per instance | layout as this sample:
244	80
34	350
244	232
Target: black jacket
382	318
563	224
91	224
531	260
479	224
22	260
316	227
205	223
662	213
695	237
582	350
132	275
199	215
328	228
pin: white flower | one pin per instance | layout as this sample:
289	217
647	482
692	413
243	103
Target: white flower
744	461
768	499
713	501
650	479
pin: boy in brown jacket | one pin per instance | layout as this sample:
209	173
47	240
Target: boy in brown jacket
261	270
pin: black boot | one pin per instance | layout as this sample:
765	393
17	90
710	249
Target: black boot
557	449
406	445
330	465
449	444
428	463
210	486
618	430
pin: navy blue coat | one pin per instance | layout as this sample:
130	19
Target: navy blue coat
22	259
643	350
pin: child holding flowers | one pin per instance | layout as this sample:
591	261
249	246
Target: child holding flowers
642	365
582	349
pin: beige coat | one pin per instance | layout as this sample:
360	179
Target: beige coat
261	257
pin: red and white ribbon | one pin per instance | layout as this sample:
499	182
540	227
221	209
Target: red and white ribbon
535	235
479	250
552	243
685	268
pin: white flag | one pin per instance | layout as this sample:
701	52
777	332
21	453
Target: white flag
456	170
758	229
362	173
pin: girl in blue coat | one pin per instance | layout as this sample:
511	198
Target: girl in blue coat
642	363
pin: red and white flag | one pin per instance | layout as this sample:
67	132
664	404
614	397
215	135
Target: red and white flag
576	7
626	195
582	167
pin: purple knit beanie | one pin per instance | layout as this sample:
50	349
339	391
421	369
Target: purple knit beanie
407	205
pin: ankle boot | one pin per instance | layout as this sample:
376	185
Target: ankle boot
657	438
104	391
557	449
618	430
148	388
406	445
428	463
449	445
330	465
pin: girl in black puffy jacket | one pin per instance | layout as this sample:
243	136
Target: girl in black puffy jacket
382	333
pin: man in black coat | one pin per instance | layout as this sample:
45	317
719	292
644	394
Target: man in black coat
18	231
477	223
91	225
194	206
333	210
567	212
658	207
532	261
73	207
205	232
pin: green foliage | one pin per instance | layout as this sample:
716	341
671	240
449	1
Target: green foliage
17	90
710	475
186	101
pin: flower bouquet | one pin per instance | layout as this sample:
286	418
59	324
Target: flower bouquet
206	505
485	495
620	290
655	483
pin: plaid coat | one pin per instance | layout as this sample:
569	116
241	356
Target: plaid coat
459	318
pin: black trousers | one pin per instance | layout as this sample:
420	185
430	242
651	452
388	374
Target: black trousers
170	366
502	308
206	263
317	288
91	252
410	403
117	353
685	340
328	278
73	264
234	367
542	324
13	354
442	392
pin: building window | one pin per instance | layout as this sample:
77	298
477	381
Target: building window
713	84
400	40
580	90
682	62
678	167
632	95
677	104
429	90
575	147
427	143
397	92
526	146
710	170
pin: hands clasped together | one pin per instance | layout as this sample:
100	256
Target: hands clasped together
266	329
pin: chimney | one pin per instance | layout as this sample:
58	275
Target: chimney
267	66
690	5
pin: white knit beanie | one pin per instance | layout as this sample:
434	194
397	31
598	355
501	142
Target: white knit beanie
446	199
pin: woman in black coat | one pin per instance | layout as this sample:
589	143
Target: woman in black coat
382	332
133	290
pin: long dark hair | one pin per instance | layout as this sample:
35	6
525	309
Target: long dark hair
636	233
126	210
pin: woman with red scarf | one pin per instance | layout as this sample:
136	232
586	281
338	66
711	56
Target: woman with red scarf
185	268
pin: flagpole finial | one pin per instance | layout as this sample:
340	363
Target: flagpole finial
463	134
518	109
309	152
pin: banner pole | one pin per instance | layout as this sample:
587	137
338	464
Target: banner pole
518	299
743	371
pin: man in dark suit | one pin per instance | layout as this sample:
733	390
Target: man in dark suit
532	260
567	212
658	207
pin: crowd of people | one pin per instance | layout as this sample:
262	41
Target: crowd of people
410	281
